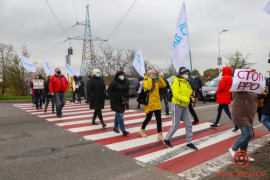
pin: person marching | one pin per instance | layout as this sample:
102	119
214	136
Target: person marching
139	87
71	87
266	110
48	95
224	96
152	83
182	93
58	85
118	93
198	87
76	89
37	93
97	91
163	94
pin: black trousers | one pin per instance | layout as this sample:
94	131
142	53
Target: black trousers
158	119
259	110
192	112
198	92
47	103
98	114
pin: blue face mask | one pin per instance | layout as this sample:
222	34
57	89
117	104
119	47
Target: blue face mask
98	75
121	78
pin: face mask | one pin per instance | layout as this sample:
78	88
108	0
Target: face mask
186	76
121	78
58	72
98	75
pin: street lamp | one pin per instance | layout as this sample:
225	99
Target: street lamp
219	58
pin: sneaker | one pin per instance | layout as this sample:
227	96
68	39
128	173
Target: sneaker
190	145
59	116
232	152
213	126
125	133
104	125
236	128
195	122
116	130
167	143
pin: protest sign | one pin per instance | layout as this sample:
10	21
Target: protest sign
38	84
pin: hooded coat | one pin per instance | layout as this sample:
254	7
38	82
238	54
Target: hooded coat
97	93
154	98
225	84
82	86
116	90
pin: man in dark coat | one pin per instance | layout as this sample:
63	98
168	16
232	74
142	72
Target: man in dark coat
88	91
198	87
97	90
82	86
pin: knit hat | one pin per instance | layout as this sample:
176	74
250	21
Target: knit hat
183	70
95	71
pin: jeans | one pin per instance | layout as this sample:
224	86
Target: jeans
60	101
266	121
164	97
226	109
40	98
242	141
158	119
119	120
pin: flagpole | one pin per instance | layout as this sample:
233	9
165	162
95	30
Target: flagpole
190	65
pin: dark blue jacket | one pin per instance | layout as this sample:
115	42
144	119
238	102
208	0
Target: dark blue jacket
198	83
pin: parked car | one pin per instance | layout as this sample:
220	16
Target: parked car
209	90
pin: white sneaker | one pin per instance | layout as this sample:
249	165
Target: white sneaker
232	152
251	159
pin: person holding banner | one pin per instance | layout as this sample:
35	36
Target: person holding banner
38	91
152	83
58	85
224	95
48	95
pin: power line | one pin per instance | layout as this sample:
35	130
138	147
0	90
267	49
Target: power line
56	18
122	19
50	49
75	11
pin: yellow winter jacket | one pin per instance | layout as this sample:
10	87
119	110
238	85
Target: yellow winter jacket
181	92
71	84
154	99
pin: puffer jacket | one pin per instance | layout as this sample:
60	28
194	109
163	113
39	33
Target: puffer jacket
71	84
225	84
154	98
181	91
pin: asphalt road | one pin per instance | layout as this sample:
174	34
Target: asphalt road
33	148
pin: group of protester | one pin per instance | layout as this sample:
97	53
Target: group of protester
183	91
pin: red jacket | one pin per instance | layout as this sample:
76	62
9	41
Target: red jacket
58	83
225	84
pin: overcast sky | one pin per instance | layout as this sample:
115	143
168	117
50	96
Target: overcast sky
150	26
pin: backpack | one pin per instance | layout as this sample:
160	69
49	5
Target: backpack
143	97
170	94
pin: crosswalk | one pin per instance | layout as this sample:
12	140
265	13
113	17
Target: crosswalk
212	143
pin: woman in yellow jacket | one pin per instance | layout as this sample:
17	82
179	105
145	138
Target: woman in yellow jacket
182	93
152	84
71	87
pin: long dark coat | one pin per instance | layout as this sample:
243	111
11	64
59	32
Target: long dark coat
116	90
97	90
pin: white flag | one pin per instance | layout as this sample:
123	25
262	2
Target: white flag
138	63
71	71
267	8
27	63
47	68
181	40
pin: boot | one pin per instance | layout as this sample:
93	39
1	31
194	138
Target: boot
142	133
160	137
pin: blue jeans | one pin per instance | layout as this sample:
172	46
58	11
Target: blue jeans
40	98
60	101
242	141
119	120
226	109
164	97
266	121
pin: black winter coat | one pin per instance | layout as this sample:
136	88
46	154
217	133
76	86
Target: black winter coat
118	89
266	105
46	89
97	90
198	83
165	89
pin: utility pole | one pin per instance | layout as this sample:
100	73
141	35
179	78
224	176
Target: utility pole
219	58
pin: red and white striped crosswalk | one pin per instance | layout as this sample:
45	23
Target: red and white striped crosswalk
212	143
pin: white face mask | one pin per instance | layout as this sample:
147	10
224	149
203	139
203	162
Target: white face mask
186	76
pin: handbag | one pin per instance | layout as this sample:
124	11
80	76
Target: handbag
124	100
143	97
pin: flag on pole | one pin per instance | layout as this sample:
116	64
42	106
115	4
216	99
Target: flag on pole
181	40
71	71
138	63
47	68
27	63
267	8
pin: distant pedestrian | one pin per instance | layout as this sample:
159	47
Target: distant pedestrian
198	87
88	90
37	92
82	86
58	85
76	89
163	94
71	87
224	96
139	87
152	83
48	95
31	89
118	92
97	91
182	93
